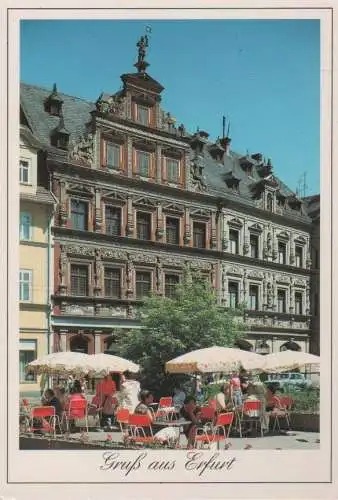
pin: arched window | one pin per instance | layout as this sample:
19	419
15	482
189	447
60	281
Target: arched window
244	345
290	346
79	343
269	202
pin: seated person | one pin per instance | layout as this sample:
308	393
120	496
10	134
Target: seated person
191	412
143	408
49	399
60	394
223	399
178	397
272	402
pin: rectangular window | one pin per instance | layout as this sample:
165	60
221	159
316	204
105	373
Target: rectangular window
281	253
112	283
24	172
79	215
281	301
199	235
299	256
253	297
171	281
233	294
79	280
143	284
27	354
25	293
172	230
233	241
143	226
173	170
254	246
113	155
143	163
143	115
112	220
298	303
25	226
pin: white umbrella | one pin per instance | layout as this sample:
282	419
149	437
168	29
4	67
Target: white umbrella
215	359
61	363
289	360
104	363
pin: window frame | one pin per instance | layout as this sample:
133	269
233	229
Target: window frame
137	281
119	280
82	265
170	286
300	255
256	236
108	206
85	203
256	287
199	224
25	282
177	238
282	243
235	284
119	151
284	291
233	231
150	216
299	297
33	376
30	228
147	154
175	180
143	108
28	169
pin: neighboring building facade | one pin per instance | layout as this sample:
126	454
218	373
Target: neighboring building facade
36	260
139	198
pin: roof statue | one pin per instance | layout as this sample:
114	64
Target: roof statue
142	45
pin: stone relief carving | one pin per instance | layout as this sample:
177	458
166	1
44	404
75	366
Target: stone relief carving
282	278
235	270
115	105
83	149
80	250
113	253
198	179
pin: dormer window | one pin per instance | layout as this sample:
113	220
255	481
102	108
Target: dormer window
53	103
60	136
269	202
143	115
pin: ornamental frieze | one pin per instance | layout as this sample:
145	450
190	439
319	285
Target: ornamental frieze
80	250
83	150
113	254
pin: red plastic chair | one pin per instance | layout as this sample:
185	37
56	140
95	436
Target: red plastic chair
165	408
136	429
42	413
251	412
217	433
281	411
122	418
76	410
208	413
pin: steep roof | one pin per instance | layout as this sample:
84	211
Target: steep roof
76	116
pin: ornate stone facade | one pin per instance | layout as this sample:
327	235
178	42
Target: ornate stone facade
139	198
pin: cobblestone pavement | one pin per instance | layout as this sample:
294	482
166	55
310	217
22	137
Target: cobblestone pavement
292	440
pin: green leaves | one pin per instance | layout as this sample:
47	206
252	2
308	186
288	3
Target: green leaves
190	320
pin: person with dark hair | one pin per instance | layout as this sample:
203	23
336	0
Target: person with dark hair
49	399
191	412
143	408
223	399
272	400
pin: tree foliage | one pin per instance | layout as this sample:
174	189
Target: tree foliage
190	320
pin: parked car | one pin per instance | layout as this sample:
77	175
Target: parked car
282	380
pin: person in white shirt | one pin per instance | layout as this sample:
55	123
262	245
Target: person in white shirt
179	397
223	399
128	395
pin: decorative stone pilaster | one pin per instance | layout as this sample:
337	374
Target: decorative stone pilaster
274	246
245	287
97	341
98	211
159	224
158	156
292	297
187	176
246	240
128	107
225	233
213	238
129	288
63	208
307	298
224	287
159	277
63	270
130	157
98	272
97	149
292	251
308	260
63	340
130	217
187	228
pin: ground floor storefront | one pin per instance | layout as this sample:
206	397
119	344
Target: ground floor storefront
32	345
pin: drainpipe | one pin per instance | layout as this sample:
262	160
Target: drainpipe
50	264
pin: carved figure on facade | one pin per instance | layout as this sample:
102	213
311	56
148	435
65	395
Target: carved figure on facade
63	264
98	270
80	250
130	269
269	295
114	105
197	176
83	149
268	246
159	274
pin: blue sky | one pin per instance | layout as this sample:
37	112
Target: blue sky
262	74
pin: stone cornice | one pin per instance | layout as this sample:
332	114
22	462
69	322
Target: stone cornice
96	175
98	239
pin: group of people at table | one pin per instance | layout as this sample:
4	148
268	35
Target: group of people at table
121	391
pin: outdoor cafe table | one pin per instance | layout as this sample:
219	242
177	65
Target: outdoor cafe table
178	424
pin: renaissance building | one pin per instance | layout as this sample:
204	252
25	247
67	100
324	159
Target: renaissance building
140	197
